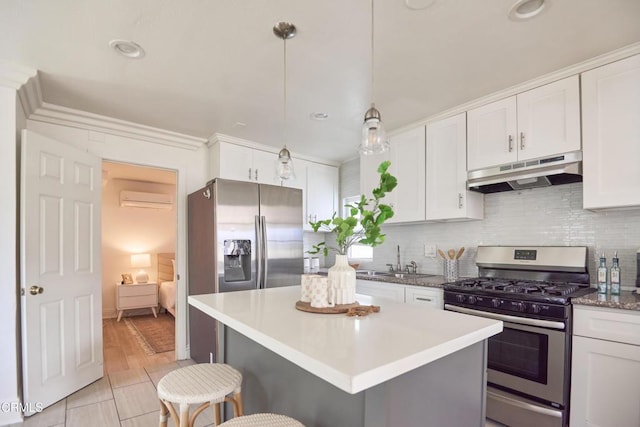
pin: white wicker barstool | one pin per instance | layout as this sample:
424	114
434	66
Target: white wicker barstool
205	383
262	420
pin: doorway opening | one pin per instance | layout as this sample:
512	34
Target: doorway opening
139	240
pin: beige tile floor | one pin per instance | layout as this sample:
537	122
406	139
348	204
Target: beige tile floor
124	398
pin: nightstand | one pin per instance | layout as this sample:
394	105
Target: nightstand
139	295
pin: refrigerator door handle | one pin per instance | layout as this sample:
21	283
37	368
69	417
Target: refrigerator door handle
258	242
265	252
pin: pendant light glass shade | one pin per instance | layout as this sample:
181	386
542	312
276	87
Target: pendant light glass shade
285	164
374	137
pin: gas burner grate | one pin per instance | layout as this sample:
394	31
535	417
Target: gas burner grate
516	287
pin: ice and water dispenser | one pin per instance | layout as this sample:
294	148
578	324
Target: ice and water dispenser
237	260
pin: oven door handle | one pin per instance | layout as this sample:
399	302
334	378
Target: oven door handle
506	318
526	406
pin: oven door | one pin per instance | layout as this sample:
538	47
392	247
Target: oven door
527	358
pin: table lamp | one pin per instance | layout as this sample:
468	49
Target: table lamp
141	261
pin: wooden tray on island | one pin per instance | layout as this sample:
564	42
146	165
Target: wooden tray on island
337	309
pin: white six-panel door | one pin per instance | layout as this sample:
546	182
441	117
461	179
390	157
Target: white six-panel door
61	312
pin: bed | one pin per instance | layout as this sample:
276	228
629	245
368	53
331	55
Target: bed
167	282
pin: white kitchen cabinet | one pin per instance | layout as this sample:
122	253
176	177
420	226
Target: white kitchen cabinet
417	295
321	193
610	129
540	122
447	196
605	373
427	297
390	291
232	161
407	156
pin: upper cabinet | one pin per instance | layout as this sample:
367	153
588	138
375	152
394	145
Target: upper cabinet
610	135
321	193
407	165
447	196
540	122
244	164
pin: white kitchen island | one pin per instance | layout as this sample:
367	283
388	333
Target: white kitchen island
404	366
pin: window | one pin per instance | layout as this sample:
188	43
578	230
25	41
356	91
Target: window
356	252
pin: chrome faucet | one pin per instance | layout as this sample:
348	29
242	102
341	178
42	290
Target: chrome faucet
412	268
398	264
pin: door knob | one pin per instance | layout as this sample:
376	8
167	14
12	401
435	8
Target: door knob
35	290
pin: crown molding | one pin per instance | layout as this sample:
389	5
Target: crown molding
581	67
14	76
55	114
220	137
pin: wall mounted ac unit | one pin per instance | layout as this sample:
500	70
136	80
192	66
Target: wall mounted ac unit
136	199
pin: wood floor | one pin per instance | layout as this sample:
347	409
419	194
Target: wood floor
122	352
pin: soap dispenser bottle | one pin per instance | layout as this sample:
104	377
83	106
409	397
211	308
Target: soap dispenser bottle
602	275
615	275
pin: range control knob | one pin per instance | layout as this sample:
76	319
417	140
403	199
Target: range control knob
520	306
495	303
460	298
535	308
472	299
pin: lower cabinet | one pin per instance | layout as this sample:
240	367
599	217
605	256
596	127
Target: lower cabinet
417	295
605	373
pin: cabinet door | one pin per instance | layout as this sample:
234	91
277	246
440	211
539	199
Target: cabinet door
236	162
605	383
610	129
492	134
299	180
390	291
549	119
369	176
430	298
322	191
446	184
264	167
407	156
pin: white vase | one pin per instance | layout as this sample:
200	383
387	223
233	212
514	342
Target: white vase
342	279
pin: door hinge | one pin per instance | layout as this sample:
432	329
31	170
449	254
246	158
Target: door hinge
22	292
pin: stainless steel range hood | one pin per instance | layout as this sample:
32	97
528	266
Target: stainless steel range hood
542	172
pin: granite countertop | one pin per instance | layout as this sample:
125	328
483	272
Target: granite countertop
627	300
423	280
353	354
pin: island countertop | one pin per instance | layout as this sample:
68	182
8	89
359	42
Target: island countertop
351	353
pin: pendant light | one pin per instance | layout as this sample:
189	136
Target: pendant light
285	30
374	137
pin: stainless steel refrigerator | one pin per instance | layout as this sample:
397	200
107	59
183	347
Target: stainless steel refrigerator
241	236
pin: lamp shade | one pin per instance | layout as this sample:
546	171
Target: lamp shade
140	260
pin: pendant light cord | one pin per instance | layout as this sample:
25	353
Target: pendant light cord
284	91
372	50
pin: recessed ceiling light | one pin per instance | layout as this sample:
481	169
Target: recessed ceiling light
526	9
239	125
127	48
418	4
319	116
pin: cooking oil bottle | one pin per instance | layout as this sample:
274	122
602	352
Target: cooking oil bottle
602	275
615	275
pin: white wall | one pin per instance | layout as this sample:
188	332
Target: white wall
190	165
127	230
9	338
541	216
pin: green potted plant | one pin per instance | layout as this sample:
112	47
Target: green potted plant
370	213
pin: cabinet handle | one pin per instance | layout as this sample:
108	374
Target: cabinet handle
256	174
460	201
510	143
522	140
249	174
423	299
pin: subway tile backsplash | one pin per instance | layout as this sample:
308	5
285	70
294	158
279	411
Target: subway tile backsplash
542	216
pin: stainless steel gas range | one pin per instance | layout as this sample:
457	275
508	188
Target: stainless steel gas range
529	364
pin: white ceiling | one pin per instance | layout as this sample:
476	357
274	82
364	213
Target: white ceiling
210	64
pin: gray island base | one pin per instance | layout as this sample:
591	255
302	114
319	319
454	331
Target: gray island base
406	366
449	392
